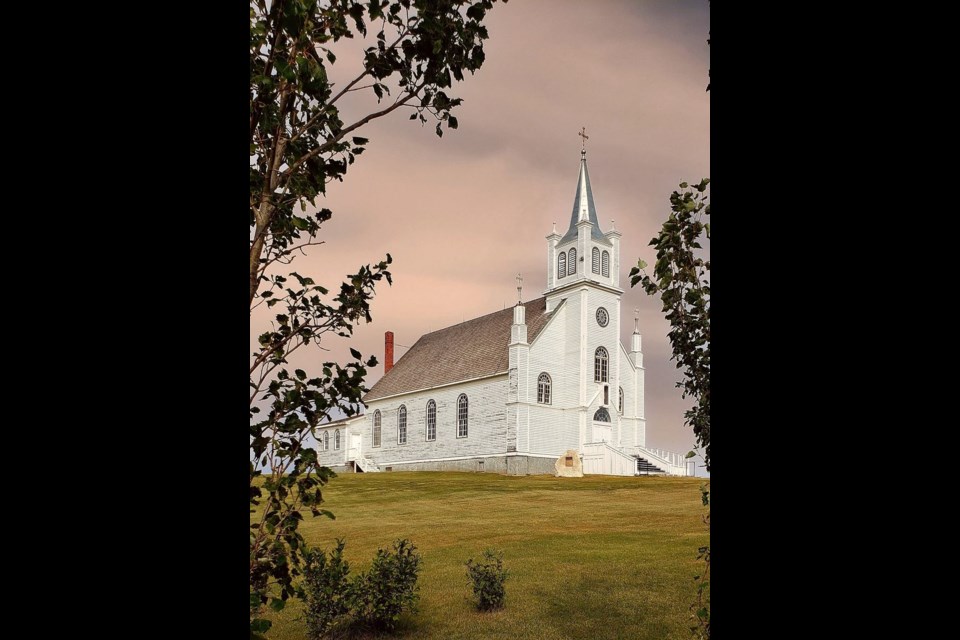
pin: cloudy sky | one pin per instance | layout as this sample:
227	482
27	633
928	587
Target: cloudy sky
462	214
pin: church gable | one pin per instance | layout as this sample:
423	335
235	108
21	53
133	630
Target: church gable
466	351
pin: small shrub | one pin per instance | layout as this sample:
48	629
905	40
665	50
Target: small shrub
389	589
328	590
487	576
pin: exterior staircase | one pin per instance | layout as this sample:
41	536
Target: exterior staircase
646	468
365	465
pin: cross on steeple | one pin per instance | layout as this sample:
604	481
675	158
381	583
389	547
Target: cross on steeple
583	143
519	288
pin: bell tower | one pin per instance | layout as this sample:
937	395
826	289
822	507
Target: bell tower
585	253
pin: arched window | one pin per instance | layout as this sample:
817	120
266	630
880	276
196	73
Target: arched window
543	388
326	440
596	260
376	428
600	359
621	400
605	268
562	265
336	439
602	415
462	412
431	420
402	425
572	262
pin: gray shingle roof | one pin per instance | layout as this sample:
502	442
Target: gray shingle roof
471	349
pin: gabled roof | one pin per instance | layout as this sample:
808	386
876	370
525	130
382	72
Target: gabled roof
583	208
473	349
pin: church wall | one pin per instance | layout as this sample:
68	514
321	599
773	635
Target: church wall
334	457
609	338
552	428
486	432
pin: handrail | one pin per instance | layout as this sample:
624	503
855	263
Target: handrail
667	458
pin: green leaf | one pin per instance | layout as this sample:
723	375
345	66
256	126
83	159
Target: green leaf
277	604
356	354
259	625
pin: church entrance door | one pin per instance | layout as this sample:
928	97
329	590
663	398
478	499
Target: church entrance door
602	432
354	452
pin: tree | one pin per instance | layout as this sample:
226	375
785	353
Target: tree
298	145
680	277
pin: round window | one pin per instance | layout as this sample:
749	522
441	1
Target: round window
602	317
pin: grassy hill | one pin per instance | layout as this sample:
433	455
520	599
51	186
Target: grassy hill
597	557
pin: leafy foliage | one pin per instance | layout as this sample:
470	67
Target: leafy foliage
374	599
389	589
298	145
487	577
328	589
680	277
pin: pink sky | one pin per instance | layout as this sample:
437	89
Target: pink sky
463	214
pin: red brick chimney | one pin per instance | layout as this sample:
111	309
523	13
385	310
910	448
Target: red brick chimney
387	352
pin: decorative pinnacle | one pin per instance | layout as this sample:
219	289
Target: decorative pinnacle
636	320
519	288
613	225
583	143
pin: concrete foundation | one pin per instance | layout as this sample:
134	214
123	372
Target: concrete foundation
512	465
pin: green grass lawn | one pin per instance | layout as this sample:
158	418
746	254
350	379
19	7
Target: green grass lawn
595	557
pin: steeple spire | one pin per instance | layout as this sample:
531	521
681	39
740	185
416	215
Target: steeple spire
583	207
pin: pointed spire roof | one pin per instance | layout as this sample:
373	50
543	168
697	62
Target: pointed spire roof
583	207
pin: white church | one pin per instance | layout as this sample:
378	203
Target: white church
512	391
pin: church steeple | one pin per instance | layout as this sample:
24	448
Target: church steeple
584	253
584	210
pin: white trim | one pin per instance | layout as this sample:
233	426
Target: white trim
339	421
441	386
582	282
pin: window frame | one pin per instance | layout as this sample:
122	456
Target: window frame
377	428
402	425
572	261
544	388
601	369
605	264
463	415
602	411
431	404
562	265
